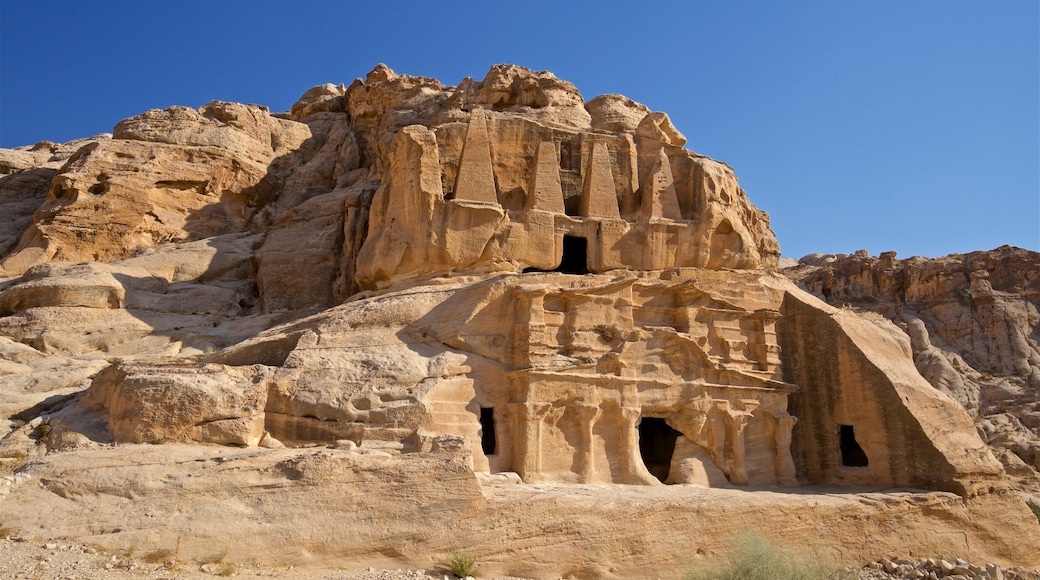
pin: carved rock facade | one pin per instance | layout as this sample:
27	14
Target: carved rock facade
506	193
973	322
537	288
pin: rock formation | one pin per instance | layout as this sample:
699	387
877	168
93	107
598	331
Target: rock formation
973	321
464	296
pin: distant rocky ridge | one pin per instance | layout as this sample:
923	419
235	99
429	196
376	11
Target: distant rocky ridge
974	326
498	309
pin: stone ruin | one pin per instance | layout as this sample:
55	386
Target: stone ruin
433	314
558	282
574	202
667	366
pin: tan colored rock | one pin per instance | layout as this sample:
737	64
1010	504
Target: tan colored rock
600	186
939	367
296	266
569	323
537	95
338	130
25	180
866	435
20	194
75	331
476	179
659	197
208	404
970	319
41	384
166	176
17	160
529	369
658	127
156	304
76	285
598	196
322	98
616	113
379	509
546	189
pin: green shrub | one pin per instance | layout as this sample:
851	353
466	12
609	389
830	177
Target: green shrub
964	295
460	565
753	557
1035	508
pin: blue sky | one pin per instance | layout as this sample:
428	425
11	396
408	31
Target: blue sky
884	125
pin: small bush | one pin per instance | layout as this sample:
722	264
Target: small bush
160	556
460	565
217	558
964	295
42	433
1034	508
226	569
753	557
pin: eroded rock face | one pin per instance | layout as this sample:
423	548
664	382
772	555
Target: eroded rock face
495	278
165	177
513	187
973	321
158	403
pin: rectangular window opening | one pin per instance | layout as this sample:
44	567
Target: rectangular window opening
488	438
852	455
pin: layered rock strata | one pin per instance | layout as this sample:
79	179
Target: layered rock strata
457	286
974	325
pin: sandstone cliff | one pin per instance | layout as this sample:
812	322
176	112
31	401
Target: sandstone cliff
539	320
974	326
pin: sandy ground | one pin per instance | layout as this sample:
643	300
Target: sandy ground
29	558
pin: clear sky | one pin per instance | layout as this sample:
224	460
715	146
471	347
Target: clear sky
900	125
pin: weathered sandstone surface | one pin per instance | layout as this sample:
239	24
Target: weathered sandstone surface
974	327
406	319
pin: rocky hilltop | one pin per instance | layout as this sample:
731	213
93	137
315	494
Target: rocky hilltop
406	319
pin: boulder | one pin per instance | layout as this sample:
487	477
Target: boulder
157	403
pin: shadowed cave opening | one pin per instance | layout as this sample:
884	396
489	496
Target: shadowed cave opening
575	258
852	455
656	445
488	441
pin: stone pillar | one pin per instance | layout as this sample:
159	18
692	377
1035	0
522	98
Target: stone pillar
631	461
766	349
659	197
545	193
476	179
532	336
528	447
736	423
786	473
587	414
599	196
718	421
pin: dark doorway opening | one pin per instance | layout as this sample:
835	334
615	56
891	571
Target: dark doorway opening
656	446
575	256
488	441
852	455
